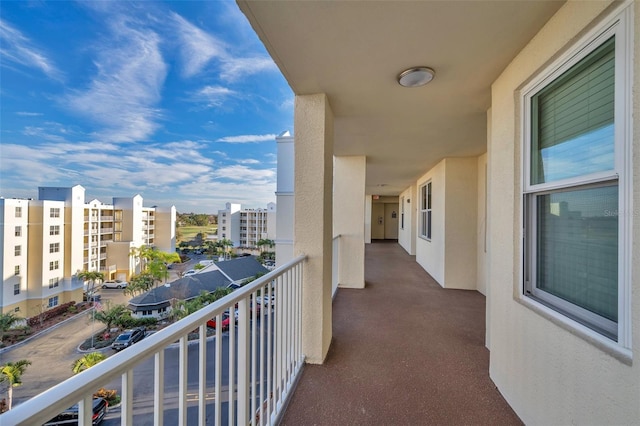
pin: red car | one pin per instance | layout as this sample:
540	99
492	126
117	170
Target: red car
225	322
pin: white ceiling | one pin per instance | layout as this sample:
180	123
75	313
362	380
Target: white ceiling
353	51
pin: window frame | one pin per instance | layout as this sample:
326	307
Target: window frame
426	211
619	25
54	212
53	302
16	289
54	265
54	230
54	247
18	231
17	250
18	211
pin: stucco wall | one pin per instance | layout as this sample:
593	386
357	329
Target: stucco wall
460	222
407	234
481	226
430	254
547	373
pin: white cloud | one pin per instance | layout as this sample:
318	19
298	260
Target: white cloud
123	95
247	138
29	114
214	96
17	48
248	161
234	69
198	47
247	174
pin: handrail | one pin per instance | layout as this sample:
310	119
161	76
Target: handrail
48	404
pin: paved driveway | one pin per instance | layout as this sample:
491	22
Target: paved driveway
53	353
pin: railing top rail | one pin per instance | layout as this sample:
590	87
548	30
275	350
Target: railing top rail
72	390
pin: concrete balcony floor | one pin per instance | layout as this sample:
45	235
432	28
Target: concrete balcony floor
404	352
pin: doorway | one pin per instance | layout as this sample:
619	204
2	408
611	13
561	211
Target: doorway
384	219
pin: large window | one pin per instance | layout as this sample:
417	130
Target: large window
54	212
18	212
576	186
17	250
54	282
16	289
54	265
425	211
53	301
54	230
18	231
54	247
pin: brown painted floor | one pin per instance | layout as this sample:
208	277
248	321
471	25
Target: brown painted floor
404	352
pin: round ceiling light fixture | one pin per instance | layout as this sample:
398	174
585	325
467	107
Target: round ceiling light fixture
416	76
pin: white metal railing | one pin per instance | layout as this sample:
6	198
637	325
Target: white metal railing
263	360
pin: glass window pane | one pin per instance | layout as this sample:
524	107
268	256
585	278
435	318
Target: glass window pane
577	250
572	120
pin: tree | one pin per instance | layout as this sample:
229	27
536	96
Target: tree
92	277
139	284
225	244
6	322
111	315
87	361
12	373
265	242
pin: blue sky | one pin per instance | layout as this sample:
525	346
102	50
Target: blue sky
176	101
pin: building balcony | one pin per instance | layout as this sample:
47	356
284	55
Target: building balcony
404	351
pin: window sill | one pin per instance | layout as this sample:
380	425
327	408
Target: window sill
608	346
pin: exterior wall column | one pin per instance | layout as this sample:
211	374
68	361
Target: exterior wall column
313	219
349	217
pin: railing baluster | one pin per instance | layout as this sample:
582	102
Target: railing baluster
243	362
218	376
158	388
254	336
232	368
85	411
182	381
126	399
262	376
202	369
270	357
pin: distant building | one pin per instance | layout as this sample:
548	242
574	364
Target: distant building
44	243
245	227
158	302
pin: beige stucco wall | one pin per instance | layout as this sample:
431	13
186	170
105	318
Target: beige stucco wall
313	219
460	222
481	226
430	254
348	217
407	235
450	256
547	373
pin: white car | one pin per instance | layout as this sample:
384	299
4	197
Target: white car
114	284
190	272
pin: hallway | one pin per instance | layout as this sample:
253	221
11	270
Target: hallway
404	351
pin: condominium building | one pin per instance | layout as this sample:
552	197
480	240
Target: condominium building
245	227
44	244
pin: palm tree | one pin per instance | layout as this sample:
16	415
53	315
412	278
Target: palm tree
92	277
12	372
87	361
6	322
225	244
111	315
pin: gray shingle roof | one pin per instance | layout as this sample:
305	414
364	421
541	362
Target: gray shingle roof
241	268
182	289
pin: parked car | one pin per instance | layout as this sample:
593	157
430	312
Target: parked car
189	272
70	415
114	284
91	297
128	338
225	322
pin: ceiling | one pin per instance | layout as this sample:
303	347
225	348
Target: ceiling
354	50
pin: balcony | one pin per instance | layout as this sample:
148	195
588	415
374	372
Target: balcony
404	351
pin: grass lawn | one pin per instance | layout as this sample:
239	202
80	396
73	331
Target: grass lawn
187	233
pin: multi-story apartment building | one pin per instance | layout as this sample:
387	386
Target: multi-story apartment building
245	227
46	242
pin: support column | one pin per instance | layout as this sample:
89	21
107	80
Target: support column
349	218
313	219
